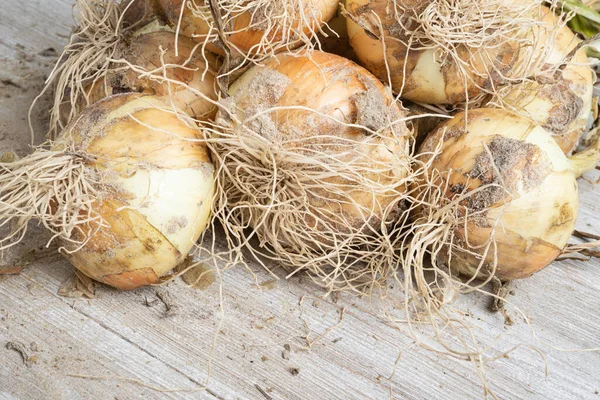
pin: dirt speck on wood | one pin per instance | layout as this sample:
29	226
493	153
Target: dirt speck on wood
22	350
171	307
285	354
269	284
197	275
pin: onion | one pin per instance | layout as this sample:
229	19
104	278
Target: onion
251	27
559	98
314	158
127	189
500	198
149	64
440	52
94	62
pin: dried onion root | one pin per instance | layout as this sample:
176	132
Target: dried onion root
253	29
312	155
127	190
92	44
444	52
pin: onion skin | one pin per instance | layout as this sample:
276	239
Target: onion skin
144	51
427	80
162	189
536	224
243	37
330	84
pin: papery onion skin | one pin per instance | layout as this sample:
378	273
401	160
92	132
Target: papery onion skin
418	74
243	35
161	182
541	203
144	52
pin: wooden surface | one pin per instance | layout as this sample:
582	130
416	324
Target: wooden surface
128	343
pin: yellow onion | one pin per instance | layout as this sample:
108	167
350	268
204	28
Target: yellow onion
506	192
108	38
395	40
559	98
251	27
184	78
130	191
314	153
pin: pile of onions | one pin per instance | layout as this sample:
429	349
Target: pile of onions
249	28
499	197
531	56
314	154
127	189
313	159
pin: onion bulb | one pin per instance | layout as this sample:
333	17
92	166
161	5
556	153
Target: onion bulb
127	189
501	195
314	154
559	98
108	38
439	52
157	63
250	27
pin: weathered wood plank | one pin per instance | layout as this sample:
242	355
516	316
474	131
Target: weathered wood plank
34	25
349	366
65	342
119	334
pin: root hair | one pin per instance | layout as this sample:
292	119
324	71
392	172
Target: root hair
286	25
55	188
269	196
84	61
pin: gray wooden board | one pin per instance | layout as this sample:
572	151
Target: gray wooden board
126	340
